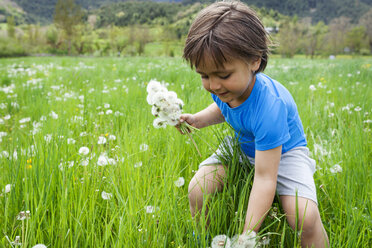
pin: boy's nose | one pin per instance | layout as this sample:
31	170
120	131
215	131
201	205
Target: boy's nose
214	84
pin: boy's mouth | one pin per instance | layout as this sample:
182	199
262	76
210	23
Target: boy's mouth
222	94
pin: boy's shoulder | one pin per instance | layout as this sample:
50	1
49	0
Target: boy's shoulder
271	87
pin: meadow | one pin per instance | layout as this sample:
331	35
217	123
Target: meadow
82	165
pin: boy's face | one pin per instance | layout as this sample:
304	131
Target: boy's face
233	83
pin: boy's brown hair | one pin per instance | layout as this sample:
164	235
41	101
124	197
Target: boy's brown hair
225	31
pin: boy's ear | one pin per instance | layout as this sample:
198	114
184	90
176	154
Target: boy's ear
256	64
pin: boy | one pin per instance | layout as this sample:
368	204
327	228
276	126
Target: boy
228	46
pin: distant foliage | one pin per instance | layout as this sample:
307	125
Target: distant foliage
129	13
319	10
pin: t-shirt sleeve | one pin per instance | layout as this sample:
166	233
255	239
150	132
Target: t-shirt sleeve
271	126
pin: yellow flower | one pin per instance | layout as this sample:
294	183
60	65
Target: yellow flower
29	161
106	134
366	66
29	166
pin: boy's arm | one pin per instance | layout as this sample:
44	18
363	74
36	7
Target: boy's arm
209	116
264	187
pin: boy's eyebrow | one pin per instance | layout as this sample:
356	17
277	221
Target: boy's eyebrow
214	72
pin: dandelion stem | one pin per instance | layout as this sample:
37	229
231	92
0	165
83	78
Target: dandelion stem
185	129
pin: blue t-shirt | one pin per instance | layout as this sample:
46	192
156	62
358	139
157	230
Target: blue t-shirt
267	119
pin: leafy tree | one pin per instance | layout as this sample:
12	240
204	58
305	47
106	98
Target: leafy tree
81	40
10	26
66	16
366	21
314	38
118	39
289	36
336	37
53	38
355	38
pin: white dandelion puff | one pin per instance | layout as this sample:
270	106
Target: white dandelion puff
48	138
84	162
244	241
137	165
112	161
159	123
221	241
24	120
39	246
102	160
53	115
101	140
17	241
106	105
106	196
164	104
312	87
71	141
23	215
335	169
7	188
179	182
150	209
84	150
357	109
144	147
112	137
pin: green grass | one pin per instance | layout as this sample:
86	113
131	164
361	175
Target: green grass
65	203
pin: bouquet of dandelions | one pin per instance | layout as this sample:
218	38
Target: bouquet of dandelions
167	108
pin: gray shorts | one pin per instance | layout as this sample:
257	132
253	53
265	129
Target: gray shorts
295	173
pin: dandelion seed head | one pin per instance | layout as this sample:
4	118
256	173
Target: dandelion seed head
144	147
137	165
336	169
106	196
24	120
357	109
7	188
179	182
244	241
159	123
71	141
39	246
102	160
220	241
84	162
23	215
101	140
84	150
53	115
150	209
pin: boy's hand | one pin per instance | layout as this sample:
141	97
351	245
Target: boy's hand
188	118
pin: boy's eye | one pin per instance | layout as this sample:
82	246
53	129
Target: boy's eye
225	77
204	77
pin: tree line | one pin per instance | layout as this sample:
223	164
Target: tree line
127	28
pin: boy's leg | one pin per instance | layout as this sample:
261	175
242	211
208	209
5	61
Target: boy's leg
207	180
313	233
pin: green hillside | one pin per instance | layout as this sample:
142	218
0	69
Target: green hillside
41	11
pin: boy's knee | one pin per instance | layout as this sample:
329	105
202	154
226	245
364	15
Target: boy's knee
193	188
307	214
309	220
208	179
